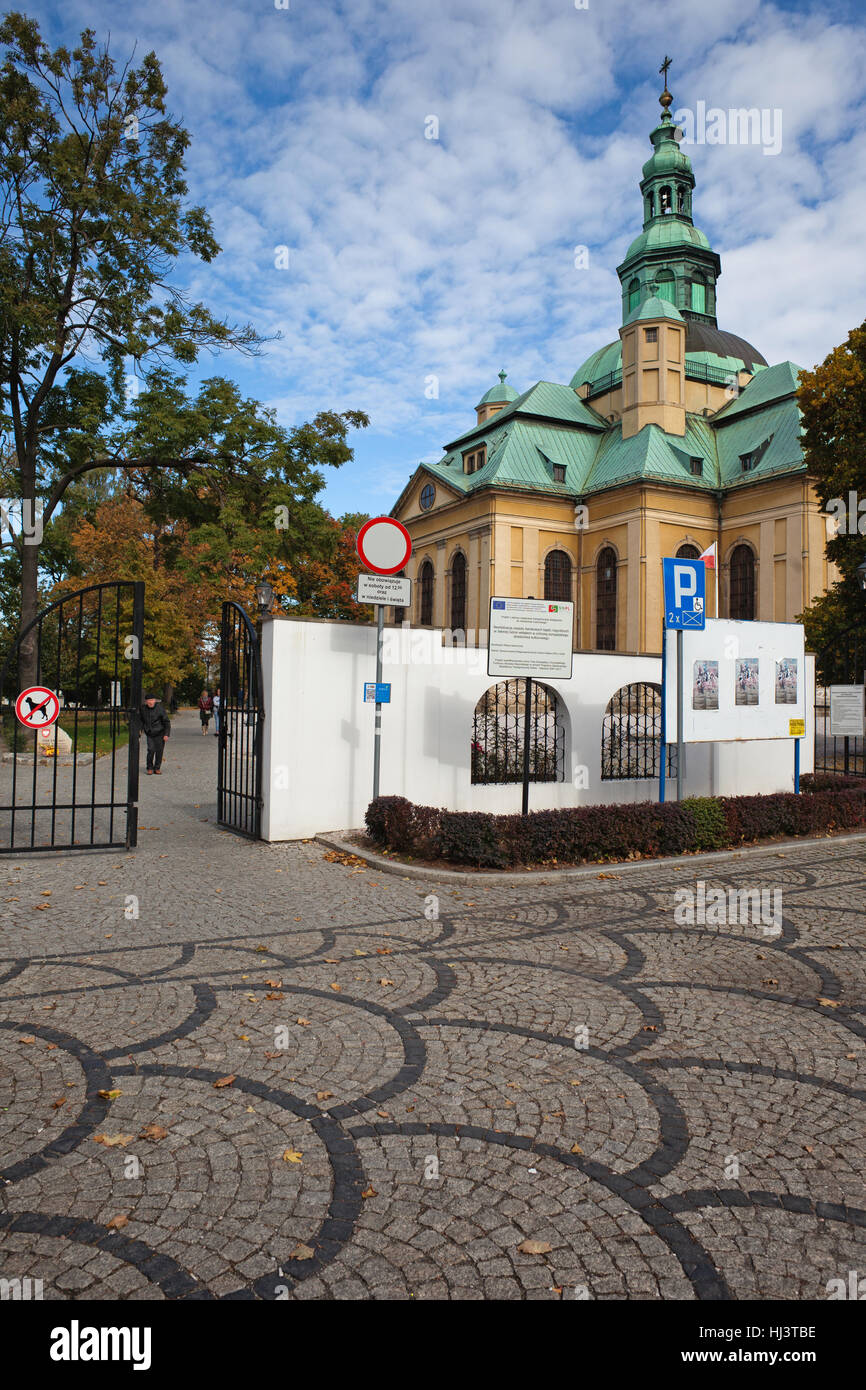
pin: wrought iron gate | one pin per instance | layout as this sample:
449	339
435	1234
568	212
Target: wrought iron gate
841	663
241	719
73	784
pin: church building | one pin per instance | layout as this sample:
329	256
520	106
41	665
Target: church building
676	437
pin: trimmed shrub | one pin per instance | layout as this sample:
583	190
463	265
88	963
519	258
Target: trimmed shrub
579	834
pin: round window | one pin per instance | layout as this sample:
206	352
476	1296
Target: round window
428	493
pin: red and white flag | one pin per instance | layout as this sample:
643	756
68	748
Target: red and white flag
709	556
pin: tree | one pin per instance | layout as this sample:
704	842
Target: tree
832	400
92	220
326	586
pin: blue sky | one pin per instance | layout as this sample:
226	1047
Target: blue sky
412	258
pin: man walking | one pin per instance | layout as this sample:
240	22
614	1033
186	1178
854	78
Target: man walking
157	727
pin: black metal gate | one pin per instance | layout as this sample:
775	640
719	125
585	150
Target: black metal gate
73	783
241	720
843	662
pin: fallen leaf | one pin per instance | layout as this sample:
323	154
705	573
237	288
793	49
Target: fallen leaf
113	1141
302	1252
304	1022
324	1095
271	1055
109	1095
386	983
118	1222
274	984
336	988
536	1247
224	1081
27	1040
292	1156
383	1114
261	948
57	1104
274	994
384	951
576	1149
51	1047
369	1192
153	1131
830	1003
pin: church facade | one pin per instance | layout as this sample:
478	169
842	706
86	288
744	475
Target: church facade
676	437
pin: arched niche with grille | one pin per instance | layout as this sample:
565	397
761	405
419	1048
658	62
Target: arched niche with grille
688	552
742	583
631	734
557	576
498	729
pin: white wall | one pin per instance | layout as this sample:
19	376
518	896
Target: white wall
318	733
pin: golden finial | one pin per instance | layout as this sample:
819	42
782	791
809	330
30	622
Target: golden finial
665	99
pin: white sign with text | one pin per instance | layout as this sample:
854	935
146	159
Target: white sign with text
530	637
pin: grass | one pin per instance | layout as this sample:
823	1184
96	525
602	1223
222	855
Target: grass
84	742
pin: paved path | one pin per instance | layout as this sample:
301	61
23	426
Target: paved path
674	1110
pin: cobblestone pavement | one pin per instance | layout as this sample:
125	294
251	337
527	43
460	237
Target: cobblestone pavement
411	1099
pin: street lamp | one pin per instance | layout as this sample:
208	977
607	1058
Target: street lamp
861	573
264	596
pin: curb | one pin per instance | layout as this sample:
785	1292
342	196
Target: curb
332	839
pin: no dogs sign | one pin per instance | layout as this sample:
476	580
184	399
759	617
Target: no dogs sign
37	707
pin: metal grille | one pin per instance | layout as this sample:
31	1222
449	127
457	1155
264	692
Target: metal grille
631	735
241	717
688	552
81	794
842	663
557	576
605	624
425	594
742	584
498	734
458	593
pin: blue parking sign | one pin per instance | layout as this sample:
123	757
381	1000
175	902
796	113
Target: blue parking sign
685	584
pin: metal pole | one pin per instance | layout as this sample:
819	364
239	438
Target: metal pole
664	747
796	764
526	745
680	683
377	735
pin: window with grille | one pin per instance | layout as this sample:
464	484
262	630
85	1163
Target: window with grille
498	731
557	575
688	552
742	604
651	335
458	593
605	601
696	467
559	472
474	460
631	735
425	594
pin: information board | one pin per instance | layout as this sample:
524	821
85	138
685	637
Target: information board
846	711
742	680
530	637
384	588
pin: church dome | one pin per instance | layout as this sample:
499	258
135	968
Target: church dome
498	395
667	235
706	346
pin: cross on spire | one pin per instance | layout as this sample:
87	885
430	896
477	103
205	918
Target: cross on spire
664	68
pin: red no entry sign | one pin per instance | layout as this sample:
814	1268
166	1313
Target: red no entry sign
37	707
384	545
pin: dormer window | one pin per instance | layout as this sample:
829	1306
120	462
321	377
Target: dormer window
475	460
696	467
750	460
559	472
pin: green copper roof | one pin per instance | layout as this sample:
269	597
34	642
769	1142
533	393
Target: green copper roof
667	234
770	384
499	393
546	399
655	308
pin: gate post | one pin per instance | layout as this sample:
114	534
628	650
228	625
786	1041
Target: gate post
135	694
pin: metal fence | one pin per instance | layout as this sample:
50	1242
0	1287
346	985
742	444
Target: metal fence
631	735
498	732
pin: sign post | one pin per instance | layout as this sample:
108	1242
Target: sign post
685	583
531	638
384	546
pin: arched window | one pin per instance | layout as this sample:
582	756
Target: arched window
650	204
498	734
688	552
665	203
682	199
742	603
633	294
605	600
425	594
631	734
666	286
557	575
458	592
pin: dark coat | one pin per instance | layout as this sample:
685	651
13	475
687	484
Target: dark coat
155	721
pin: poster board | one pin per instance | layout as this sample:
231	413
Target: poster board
530	637
743	680
846	711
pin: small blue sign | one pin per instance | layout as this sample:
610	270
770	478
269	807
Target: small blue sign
685	593
377	694
499	603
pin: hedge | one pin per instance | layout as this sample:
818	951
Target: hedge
577	834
